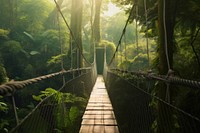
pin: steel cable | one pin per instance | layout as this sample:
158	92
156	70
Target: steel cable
123	32
78	45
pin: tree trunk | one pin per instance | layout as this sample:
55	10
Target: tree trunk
92	31
96	24
51	21
194	35
76	27
8	13
165	122
11	13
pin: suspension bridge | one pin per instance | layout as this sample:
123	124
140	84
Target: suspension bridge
128	106
118	100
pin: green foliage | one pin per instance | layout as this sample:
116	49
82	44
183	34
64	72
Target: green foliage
136	59
50	42
3	75
3	124
184	57
56	59
112	31
26	45
140	61
11	46
13	58
3	106
58	96
74	113
32	15
29	36
48	92
68	107
4	34
34	52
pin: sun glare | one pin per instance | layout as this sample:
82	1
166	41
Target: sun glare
112	10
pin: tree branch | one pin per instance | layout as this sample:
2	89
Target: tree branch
192	45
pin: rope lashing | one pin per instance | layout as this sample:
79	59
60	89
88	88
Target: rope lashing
167	95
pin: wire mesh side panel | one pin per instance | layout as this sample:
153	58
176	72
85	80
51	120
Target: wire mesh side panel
138	110
131	107
56	113
81	85
41	119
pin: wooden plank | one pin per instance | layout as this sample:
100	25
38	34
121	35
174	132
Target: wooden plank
99	104
99	108
93	112
97	116
99	129
99	98
106	122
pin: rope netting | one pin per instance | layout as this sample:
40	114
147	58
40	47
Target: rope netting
138	108
59	110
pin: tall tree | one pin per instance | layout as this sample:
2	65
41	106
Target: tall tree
52	21
7	13
91	51
96	24
166	23
76	27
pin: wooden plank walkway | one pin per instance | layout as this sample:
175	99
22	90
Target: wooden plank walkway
99	116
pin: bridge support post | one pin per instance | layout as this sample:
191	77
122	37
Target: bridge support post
15	110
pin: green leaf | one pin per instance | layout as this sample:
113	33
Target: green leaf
4	34
3	107
3	123
56	59
69	98
74	112
34	52
37	98
29	36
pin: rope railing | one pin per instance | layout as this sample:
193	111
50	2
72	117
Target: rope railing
164	78
12	86
146	111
